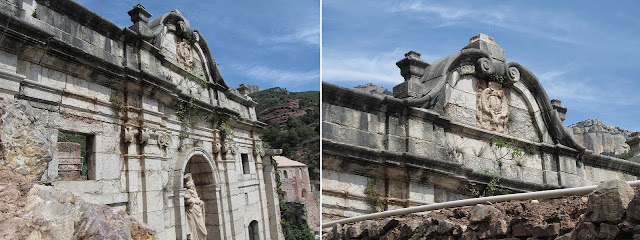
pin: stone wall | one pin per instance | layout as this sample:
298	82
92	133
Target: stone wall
153	105
453	124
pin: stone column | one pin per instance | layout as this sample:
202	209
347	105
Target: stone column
273	205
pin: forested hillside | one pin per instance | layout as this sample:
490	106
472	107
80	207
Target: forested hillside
293	120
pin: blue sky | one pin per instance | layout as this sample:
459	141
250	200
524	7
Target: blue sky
267	43
584	53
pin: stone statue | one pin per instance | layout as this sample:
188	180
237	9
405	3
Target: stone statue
194	209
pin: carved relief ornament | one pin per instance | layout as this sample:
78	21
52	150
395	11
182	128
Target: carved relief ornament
492	106
164	139
185	57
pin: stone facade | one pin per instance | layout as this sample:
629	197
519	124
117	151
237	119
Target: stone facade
452	125
153	106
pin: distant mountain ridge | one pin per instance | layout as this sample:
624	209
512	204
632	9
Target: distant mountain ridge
373	89
601	138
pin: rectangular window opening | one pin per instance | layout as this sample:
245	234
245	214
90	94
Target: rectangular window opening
245	163
75	157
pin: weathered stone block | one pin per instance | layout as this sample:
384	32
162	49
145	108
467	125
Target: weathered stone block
421	192
481	213
609	201
546	230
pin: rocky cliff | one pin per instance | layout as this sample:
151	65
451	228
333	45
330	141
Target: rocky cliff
599	137
373	89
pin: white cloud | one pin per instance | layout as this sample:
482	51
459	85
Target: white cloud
562	85
309	35
277	76
361	68
560	27
559	86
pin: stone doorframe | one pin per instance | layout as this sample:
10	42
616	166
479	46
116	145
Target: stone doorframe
216	186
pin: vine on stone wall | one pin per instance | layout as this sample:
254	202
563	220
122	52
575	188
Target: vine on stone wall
186	114
202	83
224	128
374	198
493	188
116	104
497	78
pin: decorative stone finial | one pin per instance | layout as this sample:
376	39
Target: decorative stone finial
562	110
487	43
411	66
139	14
412	69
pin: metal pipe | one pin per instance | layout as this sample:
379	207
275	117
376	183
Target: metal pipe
473	201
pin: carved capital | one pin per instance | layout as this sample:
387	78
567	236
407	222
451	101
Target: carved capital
258	151
217	147
129	133
143	136
229	147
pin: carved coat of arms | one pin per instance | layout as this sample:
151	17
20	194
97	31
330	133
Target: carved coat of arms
183	50
492	106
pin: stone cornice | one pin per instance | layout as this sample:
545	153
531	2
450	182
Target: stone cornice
105	72
373	157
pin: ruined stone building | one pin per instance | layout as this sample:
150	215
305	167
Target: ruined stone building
296	186
149	105
450	128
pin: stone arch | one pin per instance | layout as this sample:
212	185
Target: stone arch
208	185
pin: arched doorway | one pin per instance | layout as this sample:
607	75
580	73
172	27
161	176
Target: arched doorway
203	176
254	232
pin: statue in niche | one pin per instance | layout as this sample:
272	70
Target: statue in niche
492	107
194	209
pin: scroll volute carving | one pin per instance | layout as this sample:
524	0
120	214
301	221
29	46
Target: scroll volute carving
164	139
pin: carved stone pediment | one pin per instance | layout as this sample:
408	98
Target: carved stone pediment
492	106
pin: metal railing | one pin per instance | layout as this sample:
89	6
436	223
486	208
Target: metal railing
473	201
